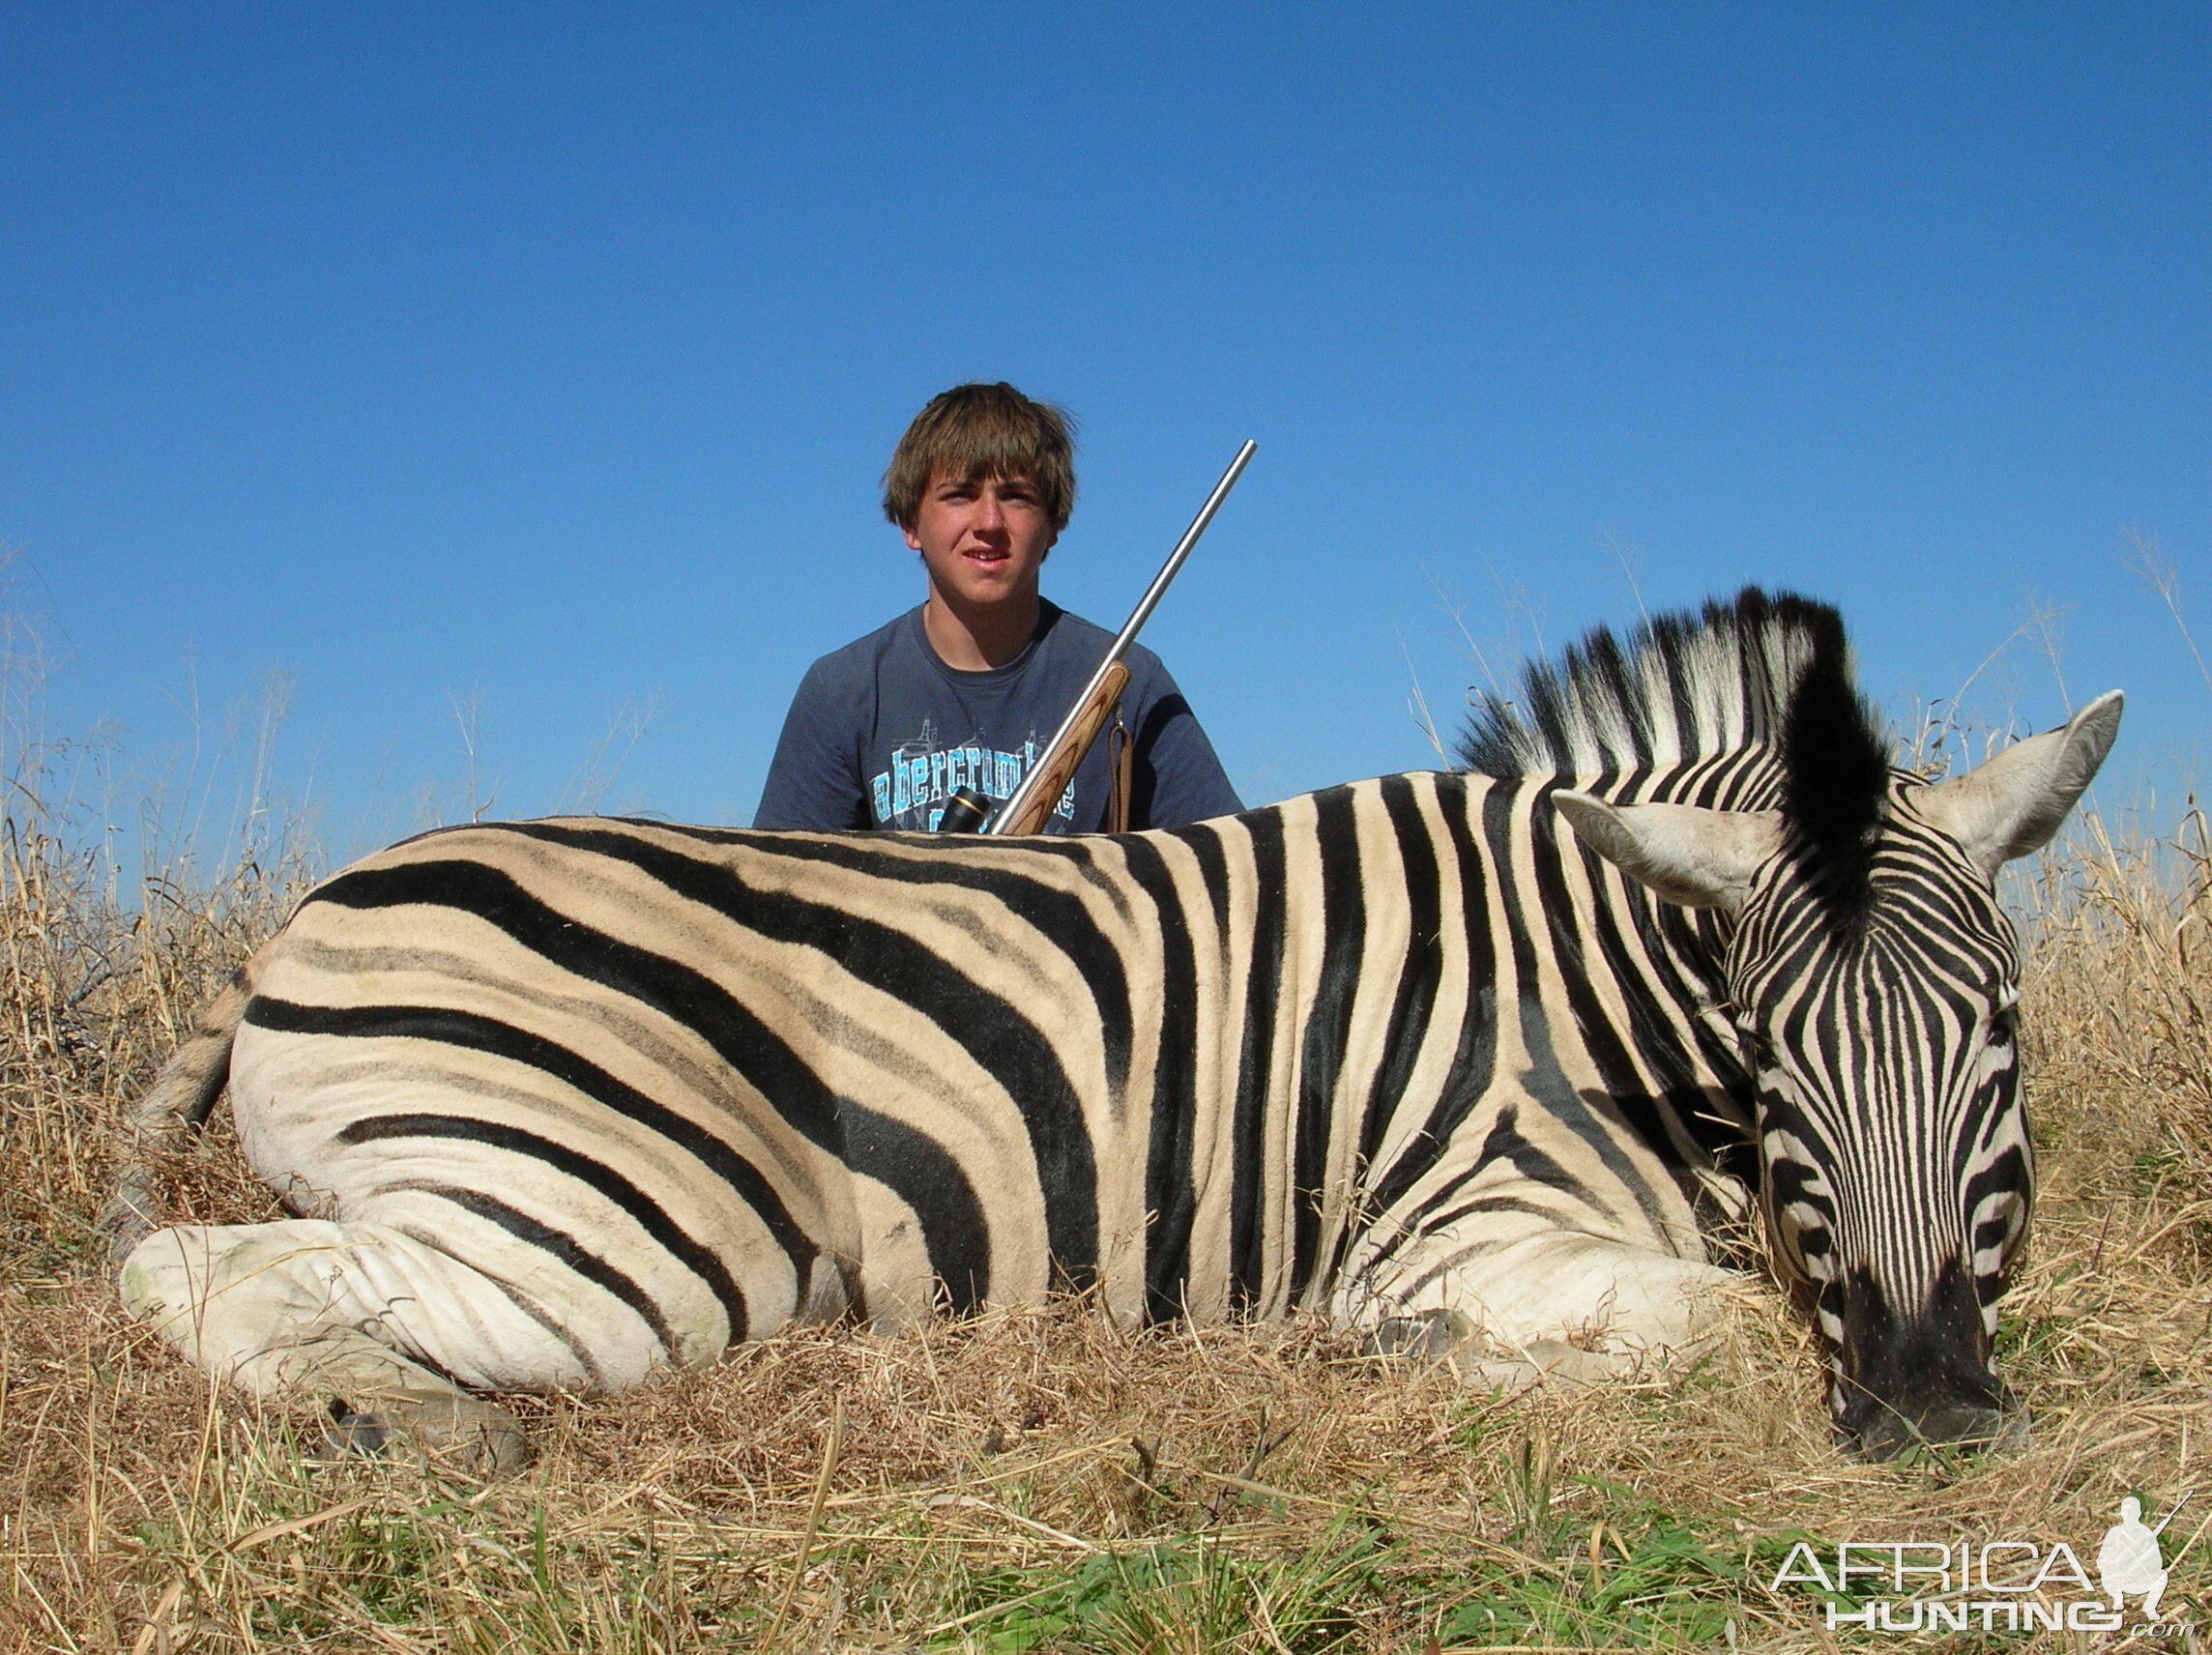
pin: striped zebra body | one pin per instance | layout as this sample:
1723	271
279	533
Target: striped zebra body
1202	1070
564	1103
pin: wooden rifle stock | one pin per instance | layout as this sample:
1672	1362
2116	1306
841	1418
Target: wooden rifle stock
1055	768
1034	800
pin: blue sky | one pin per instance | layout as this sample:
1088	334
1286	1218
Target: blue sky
539	363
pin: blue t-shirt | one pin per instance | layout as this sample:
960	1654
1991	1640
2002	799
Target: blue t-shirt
882	733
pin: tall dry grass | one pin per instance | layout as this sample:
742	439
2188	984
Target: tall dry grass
1039	1480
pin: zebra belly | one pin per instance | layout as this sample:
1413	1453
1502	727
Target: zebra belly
617	1239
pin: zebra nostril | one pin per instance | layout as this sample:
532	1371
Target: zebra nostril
560	1104
1889	1434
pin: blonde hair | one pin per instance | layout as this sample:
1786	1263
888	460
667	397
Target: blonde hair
979	432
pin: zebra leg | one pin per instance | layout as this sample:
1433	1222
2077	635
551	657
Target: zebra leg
1554	1304
1452	1336
359	1313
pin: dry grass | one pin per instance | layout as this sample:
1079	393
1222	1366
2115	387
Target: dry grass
1041	1480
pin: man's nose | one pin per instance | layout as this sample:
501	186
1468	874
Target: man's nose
990	512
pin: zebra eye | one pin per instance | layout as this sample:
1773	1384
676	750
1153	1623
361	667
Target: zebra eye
2004	1024
1757	1049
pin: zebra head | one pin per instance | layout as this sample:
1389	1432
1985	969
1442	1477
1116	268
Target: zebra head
1873	977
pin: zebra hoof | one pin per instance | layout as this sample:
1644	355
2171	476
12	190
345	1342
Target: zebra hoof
1545	1361
348	1434
479	1438
1430	1336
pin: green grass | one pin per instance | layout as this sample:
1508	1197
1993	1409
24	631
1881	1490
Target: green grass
451	1569
1041	1481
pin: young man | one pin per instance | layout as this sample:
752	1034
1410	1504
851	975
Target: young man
965	690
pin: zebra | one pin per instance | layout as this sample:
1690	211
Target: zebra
564	1104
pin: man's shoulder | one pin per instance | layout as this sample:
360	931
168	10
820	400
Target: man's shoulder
1080	645
1148	675
866	651
1074	636
1066	628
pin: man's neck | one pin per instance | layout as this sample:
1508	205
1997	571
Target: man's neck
980	639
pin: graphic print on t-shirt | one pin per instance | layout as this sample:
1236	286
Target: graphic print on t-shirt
925	773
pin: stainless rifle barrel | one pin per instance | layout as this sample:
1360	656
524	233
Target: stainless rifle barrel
1020	798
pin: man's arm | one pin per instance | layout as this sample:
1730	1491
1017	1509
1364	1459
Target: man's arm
1178	777
813	781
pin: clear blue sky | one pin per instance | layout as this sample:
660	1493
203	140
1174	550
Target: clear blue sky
546	357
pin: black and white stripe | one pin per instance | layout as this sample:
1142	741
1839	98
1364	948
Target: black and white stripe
1400	1050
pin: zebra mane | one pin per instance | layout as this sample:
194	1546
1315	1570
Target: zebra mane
1757	671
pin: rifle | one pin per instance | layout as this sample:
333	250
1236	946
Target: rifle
1029	805
2171	1514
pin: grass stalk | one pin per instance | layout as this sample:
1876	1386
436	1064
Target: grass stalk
829	1456
1038	1479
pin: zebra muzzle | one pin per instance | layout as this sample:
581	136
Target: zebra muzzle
1924	1380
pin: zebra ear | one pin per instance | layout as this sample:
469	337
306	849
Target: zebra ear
1698	857
2014	804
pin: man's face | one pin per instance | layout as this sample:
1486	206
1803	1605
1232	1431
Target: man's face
982	542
